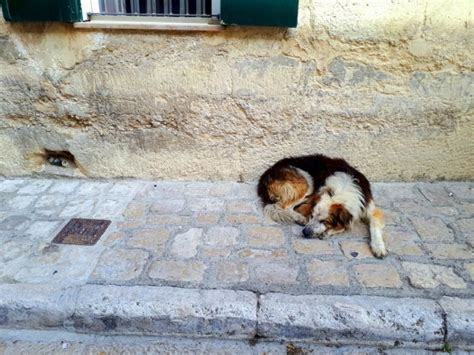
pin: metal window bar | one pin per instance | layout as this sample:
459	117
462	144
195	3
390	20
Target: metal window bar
179	8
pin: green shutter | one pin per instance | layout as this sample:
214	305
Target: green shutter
42	10
277	13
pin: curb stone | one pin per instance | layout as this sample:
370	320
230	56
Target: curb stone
35	306
345	319
169	311
460	320
166	311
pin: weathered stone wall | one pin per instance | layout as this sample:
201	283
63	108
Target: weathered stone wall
387	84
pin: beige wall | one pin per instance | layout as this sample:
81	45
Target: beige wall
387	84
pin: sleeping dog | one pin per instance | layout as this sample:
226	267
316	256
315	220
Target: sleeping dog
325	195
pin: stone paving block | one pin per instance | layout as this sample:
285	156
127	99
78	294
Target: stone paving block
207	218
402	241
109	209
222	189
49	202
450	251
466	226
263	255
210	204
78	209
460	320
178	270
350	318
328	273
44	230
151	239
241	219
197	189
436	194
391	217
124	189
35	306
265	236
355	250
222	236
129	223
16	222
432	229
34	187
166	311
12	248
430	276
394	191
232	272
466	209
114	238
314	247
244	191
167	206
185	244
241	207
462	191
9	186
93	188
424	209
136	210
214	252
120	265
276	273
163	190
470	269
168	219
377	275
63	187
20	202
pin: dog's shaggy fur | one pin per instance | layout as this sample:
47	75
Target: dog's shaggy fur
324	194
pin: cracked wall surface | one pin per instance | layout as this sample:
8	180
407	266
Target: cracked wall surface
388	85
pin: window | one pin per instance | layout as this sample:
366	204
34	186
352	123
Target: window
200	15
179	8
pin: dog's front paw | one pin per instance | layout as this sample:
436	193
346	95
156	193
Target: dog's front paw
323	235
299	219
378	249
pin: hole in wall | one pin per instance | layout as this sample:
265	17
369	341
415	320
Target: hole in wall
60	158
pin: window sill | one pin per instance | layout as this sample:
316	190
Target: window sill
151	23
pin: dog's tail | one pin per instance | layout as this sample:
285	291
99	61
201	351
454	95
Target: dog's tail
376	225
282	215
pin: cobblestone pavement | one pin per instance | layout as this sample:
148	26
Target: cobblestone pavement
213	235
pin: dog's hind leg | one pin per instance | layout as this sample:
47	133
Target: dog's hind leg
376	225
283	215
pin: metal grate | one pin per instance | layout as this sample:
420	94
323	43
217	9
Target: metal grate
81	231
179	8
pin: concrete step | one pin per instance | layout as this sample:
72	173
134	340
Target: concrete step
228	314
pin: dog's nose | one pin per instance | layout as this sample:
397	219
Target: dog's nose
308	232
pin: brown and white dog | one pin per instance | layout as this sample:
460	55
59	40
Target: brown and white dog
326	195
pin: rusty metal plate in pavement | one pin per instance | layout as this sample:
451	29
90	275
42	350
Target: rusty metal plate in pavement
81	231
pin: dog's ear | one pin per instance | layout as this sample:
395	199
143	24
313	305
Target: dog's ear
341	214
326	190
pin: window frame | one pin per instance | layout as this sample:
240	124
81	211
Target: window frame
92	18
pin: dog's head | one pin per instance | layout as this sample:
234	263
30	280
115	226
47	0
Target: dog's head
327	215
